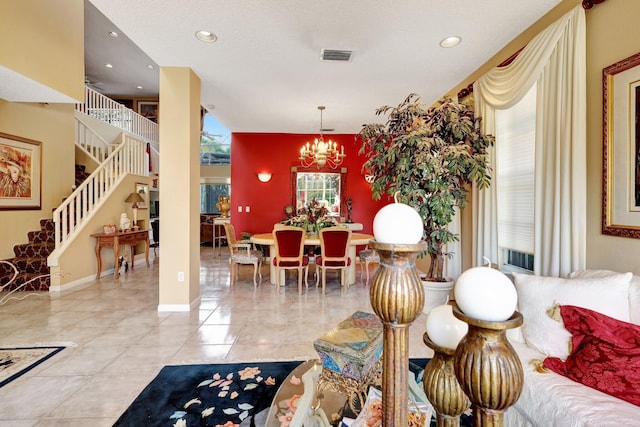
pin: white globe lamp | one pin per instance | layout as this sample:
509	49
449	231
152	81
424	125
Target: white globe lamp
444	329
397	223
484	293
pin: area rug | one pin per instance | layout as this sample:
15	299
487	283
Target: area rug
15	362
217	395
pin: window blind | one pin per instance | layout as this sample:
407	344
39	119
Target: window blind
515	164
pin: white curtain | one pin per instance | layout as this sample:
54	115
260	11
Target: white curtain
555	59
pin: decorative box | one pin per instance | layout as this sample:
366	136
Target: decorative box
353	347
109	229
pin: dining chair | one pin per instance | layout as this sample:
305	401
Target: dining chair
241	253
289	242
334	254
367	256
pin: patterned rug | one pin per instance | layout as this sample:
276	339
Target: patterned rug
225	395
207	395
15	362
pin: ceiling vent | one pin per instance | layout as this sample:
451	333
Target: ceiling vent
336	55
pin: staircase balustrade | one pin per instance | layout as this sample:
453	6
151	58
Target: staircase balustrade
93	144
109	111
127	158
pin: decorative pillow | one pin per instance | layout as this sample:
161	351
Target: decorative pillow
634	300
634	289
537	295
605	356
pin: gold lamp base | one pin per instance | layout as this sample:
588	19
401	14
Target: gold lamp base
441	386
397	298
488	368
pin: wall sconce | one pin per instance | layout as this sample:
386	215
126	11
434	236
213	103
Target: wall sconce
264	176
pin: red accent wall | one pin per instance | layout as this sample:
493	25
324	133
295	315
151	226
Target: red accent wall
276	153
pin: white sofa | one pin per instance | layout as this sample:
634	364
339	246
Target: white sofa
549	399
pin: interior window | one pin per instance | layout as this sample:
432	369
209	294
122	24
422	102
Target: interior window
323	187
215	142
515	153
209	193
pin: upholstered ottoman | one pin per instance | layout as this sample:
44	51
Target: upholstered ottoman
350	355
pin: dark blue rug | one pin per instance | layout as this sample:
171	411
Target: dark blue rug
224	395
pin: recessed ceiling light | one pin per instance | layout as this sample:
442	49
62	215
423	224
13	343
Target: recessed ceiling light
139	87
150	67
113	34
206	36
108	65
451	41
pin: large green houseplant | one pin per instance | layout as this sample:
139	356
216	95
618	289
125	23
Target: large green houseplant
429	156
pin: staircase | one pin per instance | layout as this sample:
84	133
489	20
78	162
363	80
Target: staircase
29	269
30	259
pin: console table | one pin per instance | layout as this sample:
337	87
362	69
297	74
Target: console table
121	238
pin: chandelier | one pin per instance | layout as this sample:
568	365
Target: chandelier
321	153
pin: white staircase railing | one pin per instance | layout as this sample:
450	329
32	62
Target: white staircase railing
93	144
109	111
128	157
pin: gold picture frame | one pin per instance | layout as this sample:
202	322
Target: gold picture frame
143	190
20	173
621	148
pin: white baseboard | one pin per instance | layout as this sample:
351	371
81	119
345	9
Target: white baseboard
79	282
180	307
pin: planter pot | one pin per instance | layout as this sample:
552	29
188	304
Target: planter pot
435	294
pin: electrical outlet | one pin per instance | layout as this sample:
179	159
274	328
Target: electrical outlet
247	209
240	209
180	276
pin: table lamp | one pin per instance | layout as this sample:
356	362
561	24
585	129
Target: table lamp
134	198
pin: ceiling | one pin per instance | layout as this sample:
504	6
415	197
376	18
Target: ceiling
265	74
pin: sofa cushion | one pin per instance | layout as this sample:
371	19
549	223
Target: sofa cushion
537	295
634	289
605	355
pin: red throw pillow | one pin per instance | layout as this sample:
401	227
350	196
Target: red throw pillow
605	353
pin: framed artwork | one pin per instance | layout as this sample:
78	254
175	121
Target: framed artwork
149	110
20	173
143	191
621	148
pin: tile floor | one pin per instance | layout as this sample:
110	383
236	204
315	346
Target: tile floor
118	341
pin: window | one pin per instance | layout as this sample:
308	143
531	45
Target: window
515	164
215	143
210	189
323	187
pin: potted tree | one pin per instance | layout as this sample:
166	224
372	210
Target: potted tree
429	156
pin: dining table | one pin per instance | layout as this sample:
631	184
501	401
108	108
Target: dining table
357	239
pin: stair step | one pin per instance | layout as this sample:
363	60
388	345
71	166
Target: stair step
47	224
81	174
33	250
31	265
47	236
38	283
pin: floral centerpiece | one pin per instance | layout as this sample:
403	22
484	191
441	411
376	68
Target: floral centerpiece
312	217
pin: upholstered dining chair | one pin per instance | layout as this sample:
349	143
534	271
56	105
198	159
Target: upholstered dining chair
367	256
334	254
241	253
289	242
